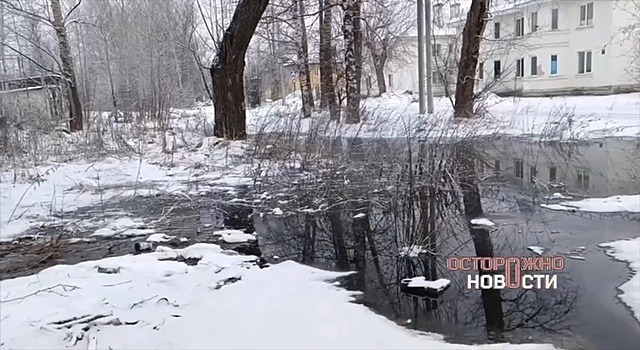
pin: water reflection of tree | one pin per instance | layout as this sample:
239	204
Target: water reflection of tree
353	204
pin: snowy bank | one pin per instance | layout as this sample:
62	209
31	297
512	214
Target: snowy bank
613	204
397	115
223	302
629	252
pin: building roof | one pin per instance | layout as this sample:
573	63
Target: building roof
31	82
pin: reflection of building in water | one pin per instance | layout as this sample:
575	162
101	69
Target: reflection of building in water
605	167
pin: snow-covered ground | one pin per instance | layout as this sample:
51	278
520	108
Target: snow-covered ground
394	115
629	252
223	302
42	195
613	204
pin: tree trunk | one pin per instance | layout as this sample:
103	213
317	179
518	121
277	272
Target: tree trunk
353	58
379	61
303	62
337	234
328	97
75	106
471	37
360	229
227	71
465	153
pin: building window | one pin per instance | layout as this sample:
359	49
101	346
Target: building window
519	168
534	21
496	30
534	65
497	69
496	167
586	14
481	70
391	80
583	179
436	50
438	18
533	174
520	68
553	174
554	64
519	27
584	62
455	10
554	19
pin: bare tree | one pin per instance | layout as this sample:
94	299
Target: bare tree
327	61
465	153
304	74
352	29
387	22
227	71
68	71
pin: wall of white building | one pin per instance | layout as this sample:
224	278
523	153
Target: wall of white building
612	52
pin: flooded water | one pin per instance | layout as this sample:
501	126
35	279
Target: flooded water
517	175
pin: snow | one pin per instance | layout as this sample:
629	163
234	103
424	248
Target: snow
397	115
613	204
277	211
160	237
359	216
536	250
577	257
483	222
235	236
154	303
413	251
124	227
629	252
558	196
421	282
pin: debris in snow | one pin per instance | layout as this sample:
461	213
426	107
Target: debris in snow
536	250
482	222
413	251
109	270
359	216
143	247
576	257
160	237
277	211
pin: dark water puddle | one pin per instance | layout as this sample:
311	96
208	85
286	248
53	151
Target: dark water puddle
518	175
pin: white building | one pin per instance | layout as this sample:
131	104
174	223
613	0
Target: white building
541	47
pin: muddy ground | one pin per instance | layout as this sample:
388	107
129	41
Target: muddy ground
69	241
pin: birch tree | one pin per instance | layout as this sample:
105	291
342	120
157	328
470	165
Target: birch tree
328	98
352	30
304	74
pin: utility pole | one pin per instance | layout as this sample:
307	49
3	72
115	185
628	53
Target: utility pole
429	57
421	55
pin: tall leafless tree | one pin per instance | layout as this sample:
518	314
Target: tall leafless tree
465	152
352	29
68	70
227	71
327	62
304	74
